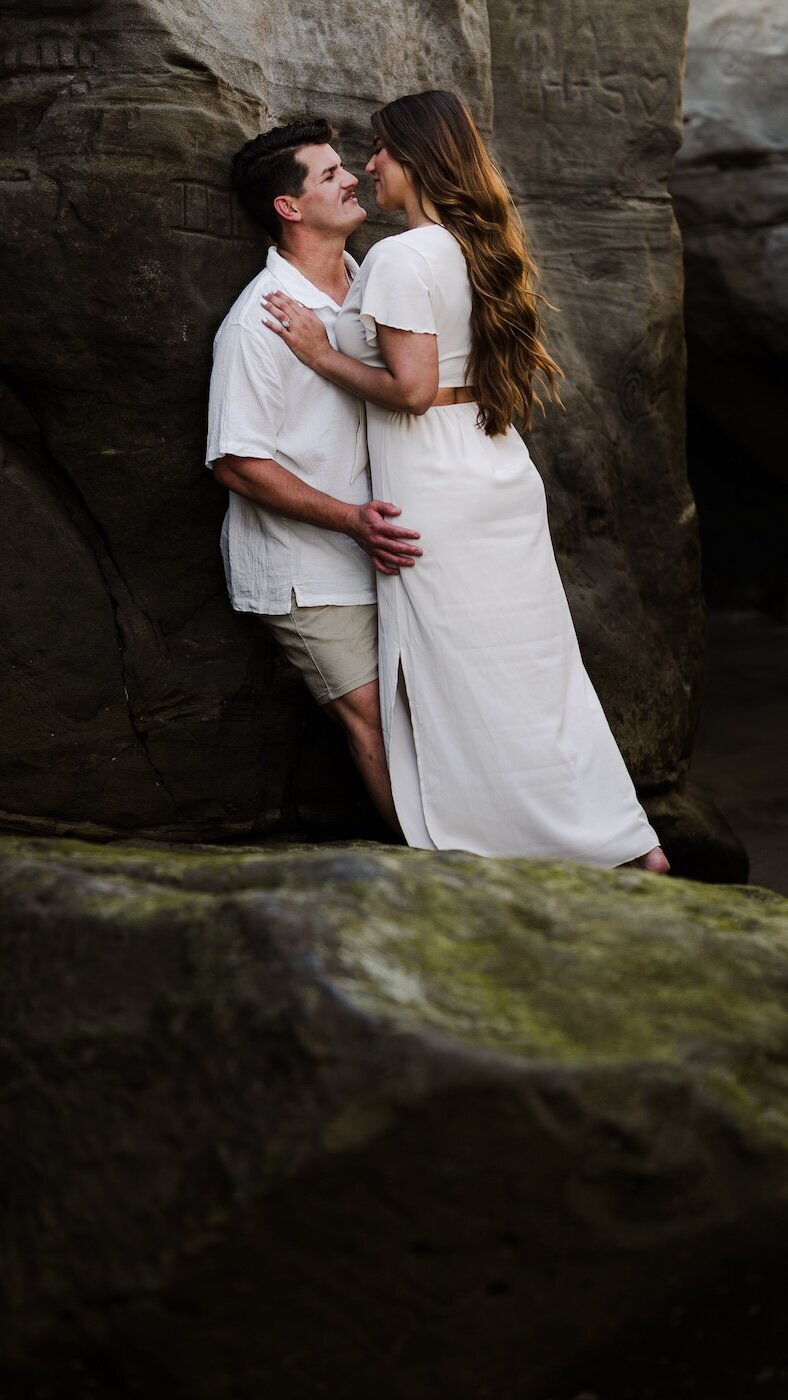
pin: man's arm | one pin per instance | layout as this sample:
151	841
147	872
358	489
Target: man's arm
263	480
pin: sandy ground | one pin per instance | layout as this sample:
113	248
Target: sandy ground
741	751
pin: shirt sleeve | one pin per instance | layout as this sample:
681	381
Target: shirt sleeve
396	290
246	399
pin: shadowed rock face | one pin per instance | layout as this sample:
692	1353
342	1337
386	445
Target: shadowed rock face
132	698
360	1121
731	193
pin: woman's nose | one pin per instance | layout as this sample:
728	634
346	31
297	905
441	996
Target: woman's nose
370	166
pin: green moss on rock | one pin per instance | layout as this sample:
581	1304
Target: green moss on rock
556	963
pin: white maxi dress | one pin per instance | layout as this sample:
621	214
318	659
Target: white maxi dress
496	741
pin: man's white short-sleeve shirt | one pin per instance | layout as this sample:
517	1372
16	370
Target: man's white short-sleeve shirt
265	403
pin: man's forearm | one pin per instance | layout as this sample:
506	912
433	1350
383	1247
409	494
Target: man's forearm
264	481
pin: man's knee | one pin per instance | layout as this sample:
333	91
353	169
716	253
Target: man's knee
358	711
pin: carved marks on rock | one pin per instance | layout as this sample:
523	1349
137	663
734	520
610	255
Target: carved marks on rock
49	53
572	67
643	380
207	210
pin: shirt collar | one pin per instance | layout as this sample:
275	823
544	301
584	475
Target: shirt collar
296	285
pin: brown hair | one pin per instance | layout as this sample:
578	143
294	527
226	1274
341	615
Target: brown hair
434	135
268	166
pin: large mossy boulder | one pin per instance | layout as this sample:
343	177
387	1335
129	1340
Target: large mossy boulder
361	1121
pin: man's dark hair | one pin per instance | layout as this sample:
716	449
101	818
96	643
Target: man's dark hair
267	166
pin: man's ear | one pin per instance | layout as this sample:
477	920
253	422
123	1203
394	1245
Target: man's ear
286	209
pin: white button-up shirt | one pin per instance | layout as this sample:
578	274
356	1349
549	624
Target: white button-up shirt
265	403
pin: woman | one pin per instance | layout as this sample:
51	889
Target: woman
495	737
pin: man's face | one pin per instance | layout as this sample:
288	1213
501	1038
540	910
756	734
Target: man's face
328	200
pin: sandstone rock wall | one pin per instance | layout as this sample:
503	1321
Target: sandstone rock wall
731	192
132	698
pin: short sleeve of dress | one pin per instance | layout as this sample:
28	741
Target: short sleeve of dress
396	290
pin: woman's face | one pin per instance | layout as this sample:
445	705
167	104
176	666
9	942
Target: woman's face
389	178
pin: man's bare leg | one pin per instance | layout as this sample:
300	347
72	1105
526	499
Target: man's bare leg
358	712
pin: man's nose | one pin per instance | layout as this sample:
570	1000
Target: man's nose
349	181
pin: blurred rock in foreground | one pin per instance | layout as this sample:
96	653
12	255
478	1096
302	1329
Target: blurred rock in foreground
362	1121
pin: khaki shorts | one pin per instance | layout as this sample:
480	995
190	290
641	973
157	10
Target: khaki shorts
334	648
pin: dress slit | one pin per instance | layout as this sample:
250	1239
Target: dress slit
406	787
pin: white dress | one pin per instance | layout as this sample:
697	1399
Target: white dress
496	740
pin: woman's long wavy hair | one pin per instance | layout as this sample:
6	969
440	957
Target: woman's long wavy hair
435	137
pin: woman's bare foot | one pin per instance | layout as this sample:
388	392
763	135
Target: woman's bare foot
656	862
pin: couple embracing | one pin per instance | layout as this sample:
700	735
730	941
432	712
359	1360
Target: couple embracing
457	679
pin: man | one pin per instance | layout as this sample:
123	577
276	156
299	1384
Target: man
302	539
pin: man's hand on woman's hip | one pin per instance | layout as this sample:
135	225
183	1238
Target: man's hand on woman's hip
388	546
